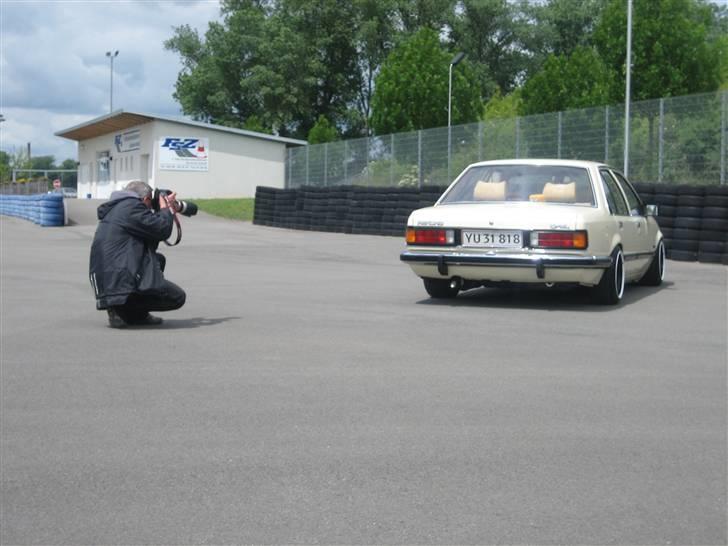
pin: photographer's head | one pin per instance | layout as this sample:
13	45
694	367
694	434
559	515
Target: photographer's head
142	189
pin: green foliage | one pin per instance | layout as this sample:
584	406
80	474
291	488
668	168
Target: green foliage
411	90
277	66
674	49
577	81
490	33
503	107
323	131
235	209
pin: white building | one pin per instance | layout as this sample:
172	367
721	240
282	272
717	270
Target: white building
197	160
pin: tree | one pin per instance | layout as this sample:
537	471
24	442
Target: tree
286	62
43	162
488	31
557	27
579	80
411	90
503	107
322	132
674	49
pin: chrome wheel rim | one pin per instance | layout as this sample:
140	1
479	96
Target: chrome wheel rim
619	275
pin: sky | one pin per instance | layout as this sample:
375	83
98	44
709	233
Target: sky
54	72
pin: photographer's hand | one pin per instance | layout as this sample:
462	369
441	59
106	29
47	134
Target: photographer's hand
166	200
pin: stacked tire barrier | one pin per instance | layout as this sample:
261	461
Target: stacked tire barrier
693	219
342	209
45	209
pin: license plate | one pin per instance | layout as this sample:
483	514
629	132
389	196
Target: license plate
492	238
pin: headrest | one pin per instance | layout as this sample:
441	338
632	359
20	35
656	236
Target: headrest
560	193
489	191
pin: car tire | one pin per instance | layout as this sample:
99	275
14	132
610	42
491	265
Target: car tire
610	289
656	272
440	288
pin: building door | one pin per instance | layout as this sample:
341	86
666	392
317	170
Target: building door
103	175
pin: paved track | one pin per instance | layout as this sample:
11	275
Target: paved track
310	392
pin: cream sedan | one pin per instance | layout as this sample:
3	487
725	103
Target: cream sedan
536	221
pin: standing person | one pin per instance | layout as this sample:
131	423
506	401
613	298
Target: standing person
125	269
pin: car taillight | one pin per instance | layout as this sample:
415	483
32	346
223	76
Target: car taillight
429	236
559	239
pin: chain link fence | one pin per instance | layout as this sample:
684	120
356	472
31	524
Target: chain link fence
675	140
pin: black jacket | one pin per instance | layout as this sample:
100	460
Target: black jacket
123	253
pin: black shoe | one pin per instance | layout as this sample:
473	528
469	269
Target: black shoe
115	321
146	320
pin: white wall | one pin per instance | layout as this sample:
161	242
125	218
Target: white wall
236	165
124	166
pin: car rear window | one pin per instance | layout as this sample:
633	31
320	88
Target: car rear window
523	183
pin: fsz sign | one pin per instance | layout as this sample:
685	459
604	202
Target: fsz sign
183	154
180	143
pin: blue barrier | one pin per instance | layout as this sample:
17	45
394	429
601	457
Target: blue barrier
45	209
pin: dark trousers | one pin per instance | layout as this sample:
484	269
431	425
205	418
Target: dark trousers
138	305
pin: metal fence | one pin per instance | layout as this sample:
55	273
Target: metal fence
675	140
28	181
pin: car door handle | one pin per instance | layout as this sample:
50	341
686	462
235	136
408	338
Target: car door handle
621	225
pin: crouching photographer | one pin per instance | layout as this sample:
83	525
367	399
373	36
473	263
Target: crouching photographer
125	269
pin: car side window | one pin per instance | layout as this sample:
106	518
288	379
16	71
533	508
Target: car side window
633	200
615	199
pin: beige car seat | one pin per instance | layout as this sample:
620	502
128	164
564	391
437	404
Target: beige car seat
559	193
489	191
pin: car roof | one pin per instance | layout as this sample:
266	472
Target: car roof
549	162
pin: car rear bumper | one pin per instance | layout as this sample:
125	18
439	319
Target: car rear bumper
483	266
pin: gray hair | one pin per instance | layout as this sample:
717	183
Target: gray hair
142	189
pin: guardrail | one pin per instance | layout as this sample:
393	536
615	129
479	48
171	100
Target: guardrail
45	209
693	219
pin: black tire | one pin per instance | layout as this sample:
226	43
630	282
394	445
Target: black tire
711	257
714	224
690	201
656	272
714	247
707	235
687	223
440	288
610	289
683	255
715	212
684	244
666	210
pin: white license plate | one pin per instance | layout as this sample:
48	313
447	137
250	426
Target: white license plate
492	238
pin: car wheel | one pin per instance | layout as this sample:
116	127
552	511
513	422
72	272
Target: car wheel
610	289
656	272
441	288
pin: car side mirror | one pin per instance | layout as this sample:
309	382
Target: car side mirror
651	210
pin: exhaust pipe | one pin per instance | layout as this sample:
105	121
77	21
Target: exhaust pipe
456	283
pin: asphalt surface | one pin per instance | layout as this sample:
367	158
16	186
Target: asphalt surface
310	392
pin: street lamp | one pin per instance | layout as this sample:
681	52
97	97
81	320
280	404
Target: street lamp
628	91
111	56
459	57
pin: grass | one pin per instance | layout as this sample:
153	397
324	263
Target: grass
235	209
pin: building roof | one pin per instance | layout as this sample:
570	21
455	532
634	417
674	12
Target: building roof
120	120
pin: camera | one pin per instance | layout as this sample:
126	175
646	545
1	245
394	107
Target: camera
185	208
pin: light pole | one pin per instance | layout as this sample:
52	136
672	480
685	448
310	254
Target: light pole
456	59
111	56
628	90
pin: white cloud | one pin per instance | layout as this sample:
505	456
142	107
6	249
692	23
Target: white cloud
54	72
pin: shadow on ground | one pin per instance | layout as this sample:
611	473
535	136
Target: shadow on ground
543	298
